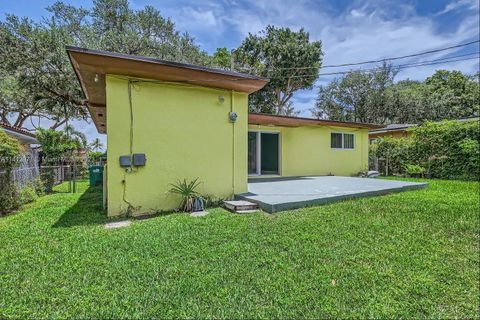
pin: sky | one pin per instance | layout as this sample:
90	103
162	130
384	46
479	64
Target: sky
350	31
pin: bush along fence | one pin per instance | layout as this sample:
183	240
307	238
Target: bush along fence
19	182
442	150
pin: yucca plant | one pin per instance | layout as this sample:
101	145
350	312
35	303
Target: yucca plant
188	191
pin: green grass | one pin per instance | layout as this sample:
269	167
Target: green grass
411	254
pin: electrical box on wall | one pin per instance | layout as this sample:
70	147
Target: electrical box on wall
137	159
125	161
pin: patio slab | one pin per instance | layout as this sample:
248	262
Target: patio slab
279	194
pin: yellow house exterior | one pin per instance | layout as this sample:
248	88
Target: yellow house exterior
193	122
185	133
306	151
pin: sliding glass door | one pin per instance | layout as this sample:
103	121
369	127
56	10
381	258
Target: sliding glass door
263	153
253	156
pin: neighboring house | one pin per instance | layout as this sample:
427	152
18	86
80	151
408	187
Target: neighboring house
394	130
25	137
399	130
191	121
28	168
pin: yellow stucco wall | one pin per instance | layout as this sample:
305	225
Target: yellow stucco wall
185	132
306	151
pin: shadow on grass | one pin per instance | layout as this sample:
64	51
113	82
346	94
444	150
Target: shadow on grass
88	210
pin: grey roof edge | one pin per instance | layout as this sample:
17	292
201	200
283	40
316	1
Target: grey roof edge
320	120
397	128
400	127
162	62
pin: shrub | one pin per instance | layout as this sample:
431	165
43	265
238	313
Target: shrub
9	197
188	191
28	194
39	187
393	151
414	170
95	157
445	150
212	201
10	151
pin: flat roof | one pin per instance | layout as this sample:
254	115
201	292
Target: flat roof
287	121
404	126
91	67
394	127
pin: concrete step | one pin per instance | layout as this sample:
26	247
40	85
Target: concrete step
240	206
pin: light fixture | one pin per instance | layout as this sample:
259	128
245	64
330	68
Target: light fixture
96	77
221	99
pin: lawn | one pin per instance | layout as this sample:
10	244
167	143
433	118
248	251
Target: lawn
411	254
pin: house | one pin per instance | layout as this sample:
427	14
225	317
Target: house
25	137
394	130
169	121
28	168
399	130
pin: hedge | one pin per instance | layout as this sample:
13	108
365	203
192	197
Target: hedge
442	150
10	151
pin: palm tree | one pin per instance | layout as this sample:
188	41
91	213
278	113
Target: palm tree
96	145
78	137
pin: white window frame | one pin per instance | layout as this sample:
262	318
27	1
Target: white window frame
343	140
259	153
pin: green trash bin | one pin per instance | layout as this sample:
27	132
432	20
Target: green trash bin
95	175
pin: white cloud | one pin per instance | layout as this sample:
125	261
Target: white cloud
364	31
457	4
204	18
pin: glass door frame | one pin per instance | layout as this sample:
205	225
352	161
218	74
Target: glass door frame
259	152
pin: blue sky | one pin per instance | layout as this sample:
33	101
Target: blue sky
350	31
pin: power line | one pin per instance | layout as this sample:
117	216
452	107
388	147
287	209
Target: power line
384	59
398	67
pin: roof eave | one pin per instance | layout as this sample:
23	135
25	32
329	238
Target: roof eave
92	66
287	121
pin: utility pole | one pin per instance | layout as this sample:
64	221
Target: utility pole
232	61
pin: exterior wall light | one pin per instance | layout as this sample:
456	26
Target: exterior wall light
221	99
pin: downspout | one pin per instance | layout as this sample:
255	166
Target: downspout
233	145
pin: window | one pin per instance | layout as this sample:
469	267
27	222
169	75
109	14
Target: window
347	141
336	140
342	140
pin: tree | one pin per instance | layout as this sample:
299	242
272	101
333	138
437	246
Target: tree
374	97
39	73
96	145
222	58
358	96
409	100
288	58
78	138
57	147
37	82
451	95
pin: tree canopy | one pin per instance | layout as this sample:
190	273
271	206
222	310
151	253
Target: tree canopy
375	97
36	79
288	58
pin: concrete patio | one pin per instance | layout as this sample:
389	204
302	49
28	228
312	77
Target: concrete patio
280	194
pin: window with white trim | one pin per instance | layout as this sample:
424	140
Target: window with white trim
340	140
